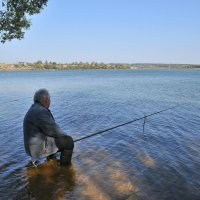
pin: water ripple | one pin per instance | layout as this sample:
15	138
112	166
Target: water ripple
126	163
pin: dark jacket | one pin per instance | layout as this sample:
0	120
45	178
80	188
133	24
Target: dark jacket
40	131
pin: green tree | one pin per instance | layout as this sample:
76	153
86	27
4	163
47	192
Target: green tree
39	62
14	17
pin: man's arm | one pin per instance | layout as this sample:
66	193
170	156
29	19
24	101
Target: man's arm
48	125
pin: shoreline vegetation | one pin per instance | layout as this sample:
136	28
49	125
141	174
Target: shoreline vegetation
39	65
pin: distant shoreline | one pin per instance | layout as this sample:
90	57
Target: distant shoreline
93	65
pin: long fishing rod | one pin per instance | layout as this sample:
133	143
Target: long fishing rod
114	127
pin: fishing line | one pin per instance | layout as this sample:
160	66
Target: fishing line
145	117
117	126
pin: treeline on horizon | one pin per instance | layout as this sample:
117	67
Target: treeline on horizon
39	65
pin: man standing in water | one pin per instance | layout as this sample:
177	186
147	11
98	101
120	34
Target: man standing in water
42	136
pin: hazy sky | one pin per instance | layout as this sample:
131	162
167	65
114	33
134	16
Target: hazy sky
131	31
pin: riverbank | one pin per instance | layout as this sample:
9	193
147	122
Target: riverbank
39	65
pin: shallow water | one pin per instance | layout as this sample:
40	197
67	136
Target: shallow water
162	162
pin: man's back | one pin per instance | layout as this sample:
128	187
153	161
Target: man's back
38	123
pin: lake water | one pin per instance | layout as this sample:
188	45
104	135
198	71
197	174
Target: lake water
163	162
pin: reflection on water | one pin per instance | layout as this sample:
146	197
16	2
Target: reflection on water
147	160
50	180
104	177
93	180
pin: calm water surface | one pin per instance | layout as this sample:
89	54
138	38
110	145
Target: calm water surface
163	162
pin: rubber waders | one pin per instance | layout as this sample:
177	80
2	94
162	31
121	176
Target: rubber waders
65	157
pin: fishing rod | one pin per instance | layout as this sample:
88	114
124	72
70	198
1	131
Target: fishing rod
114	127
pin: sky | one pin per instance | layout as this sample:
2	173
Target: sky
111	31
